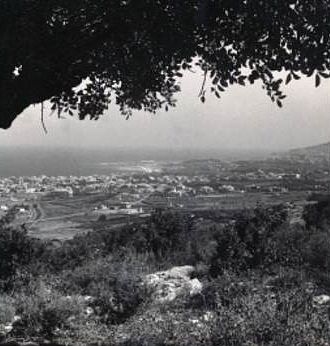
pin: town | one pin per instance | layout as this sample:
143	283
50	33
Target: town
58	207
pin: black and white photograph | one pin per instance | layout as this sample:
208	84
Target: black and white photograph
164	172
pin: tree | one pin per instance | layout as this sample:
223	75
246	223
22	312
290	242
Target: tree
134	52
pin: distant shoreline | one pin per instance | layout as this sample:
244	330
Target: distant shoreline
60	161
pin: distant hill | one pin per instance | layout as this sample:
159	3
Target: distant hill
315	149
319	152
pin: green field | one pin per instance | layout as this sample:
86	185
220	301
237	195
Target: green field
63	218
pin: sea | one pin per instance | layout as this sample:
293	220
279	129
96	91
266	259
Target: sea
35	161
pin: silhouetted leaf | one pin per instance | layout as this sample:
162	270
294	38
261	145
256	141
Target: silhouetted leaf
324	75
288	78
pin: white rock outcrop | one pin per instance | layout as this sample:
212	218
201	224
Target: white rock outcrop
321	299
168	285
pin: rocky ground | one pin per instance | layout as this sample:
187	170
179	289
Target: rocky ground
165	289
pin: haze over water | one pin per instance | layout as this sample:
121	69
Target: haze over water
73	161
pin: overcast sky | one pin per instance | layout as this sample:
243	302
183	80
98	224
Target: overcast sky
244	118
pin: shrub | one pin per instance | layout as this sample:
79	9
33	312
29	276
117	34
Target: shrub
221	291
114	285
288	278
267	319
43	311
16	251
317	251
102	218
260	241
289	242
163	234
318	215
7	309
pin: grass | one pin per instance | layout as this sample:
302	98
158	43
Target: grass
60	229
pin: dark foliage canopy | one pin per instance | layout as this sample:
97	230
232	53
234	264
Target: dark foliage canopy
133	53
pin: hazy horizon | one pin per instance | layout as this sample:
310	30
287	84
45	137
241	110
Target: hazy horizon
32	161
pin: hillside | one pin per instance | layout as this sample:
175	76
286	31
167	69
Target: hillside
172	281
314	153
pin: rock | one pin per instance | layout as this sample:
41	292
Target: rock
88	299
208	316
183	272
8	328
194	321
168	285
321	299
89	311
196	287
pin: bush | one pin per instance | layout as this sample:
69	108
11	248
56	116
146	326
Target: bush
318	215
162	235
287	279
267	319
102	218
317	251
222	291
7	309
17	250
43	311
114	285
257	242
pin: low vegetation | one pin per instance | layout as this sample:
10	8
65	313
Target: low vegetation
261	278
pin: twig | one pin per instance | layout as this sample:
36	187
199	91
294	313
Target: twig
203	85
42	118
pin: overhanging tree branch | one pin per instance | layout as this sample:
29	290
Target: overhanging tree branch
56	44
